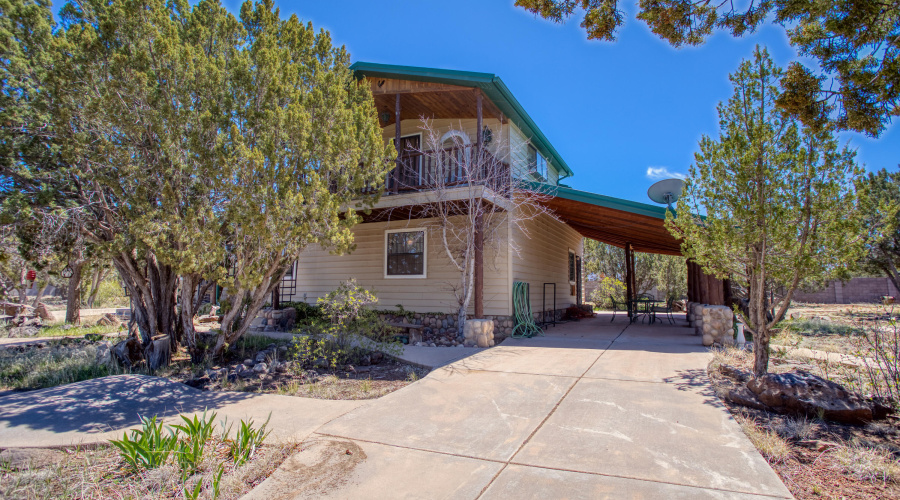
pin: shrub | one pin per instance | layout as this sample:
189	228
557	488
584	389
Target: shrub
352	328
305	312
608	287
345	304
880	352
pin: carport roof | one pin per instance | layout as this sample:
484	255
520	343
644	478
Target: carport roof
612	220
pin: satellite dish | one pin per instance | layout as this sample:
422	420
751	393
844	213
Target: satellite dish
666	191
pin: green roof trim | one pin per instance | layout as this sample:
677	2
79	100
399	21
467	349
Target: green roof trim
492	86
599	200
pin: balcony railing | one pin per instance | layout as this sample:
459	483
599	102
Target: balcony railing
447	168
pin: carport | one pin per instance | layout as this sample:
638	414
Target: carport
634	227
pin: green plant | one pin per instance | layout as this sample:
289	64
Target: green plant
246	440
346	302
195	493
305	312
217	481
148	447
189	452
608	288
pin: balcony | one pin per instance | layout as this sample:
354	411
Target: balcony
447	168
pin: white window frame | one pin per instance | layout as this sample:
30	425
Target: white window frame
424	253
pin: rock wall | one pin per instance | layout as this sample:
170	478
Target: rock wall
440	324
714	323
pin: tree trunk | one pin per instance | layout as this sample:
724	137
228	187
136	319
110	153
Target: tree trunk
236	321
758	313
73	296
23	287
186	318
40	293
99	275
152	287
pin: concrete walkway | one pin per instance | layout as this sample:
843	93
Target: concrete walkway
593	410
94	411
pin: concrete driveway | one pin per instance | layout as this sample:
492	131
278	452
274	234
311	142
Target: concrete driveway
593	410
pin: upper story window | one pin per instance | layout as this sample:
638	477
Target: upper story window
537	164
405	255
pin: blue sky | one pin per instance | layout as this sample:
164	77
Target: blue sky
612	110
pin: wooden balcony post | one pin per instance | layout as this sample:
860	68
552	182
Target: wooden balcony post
479	265
397	143
479	142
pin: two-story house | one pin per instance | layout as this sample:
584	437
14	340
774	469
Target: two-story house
396	254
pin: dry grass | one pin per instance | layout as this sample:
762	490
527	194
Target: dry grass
63	362
867	464
772	446
100	473
795	428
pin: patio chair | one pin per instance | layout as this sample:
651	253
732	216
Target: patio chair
667	309
617	306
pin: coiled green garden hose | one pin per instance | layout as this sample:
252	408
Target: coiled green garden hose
525	325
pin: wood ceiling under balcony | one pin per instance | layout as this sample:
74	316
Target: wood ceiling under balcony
431	100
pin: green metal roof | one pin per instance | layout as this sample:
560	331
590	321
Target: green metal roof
489	83
600	200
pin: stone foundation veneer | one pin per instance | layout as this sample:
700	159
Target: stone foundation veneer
714	323
440	324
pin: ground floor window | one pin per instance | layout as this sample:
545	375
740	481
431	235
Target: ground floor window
572	268
405	253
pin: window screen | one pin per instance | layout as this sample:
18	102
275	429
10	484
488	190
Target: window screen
572	272
406	253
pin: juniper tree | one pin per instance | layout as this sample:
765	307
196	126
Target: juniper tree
778	201
879	194
856	43
200	146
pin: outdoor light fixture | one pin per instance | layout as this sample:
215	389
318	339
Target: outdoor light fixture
385	116
487	135
67	272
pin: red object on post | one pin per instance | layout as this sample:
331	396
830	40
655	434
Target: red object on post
31	275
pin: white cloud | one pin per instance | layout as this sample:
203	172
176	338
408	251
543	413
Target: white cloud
655	173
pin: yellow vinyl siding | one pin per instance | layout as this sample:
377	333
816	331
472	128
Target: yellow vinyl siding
319	272
543	257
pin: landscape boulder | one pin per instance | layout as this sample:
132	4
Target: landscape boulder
806	394
109	319
104	354
43	312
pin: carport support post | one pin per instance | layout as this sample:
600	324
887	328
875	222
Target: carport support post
690	281
629	277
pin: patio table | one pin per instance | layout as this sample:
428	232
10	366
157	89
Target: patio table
643	307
